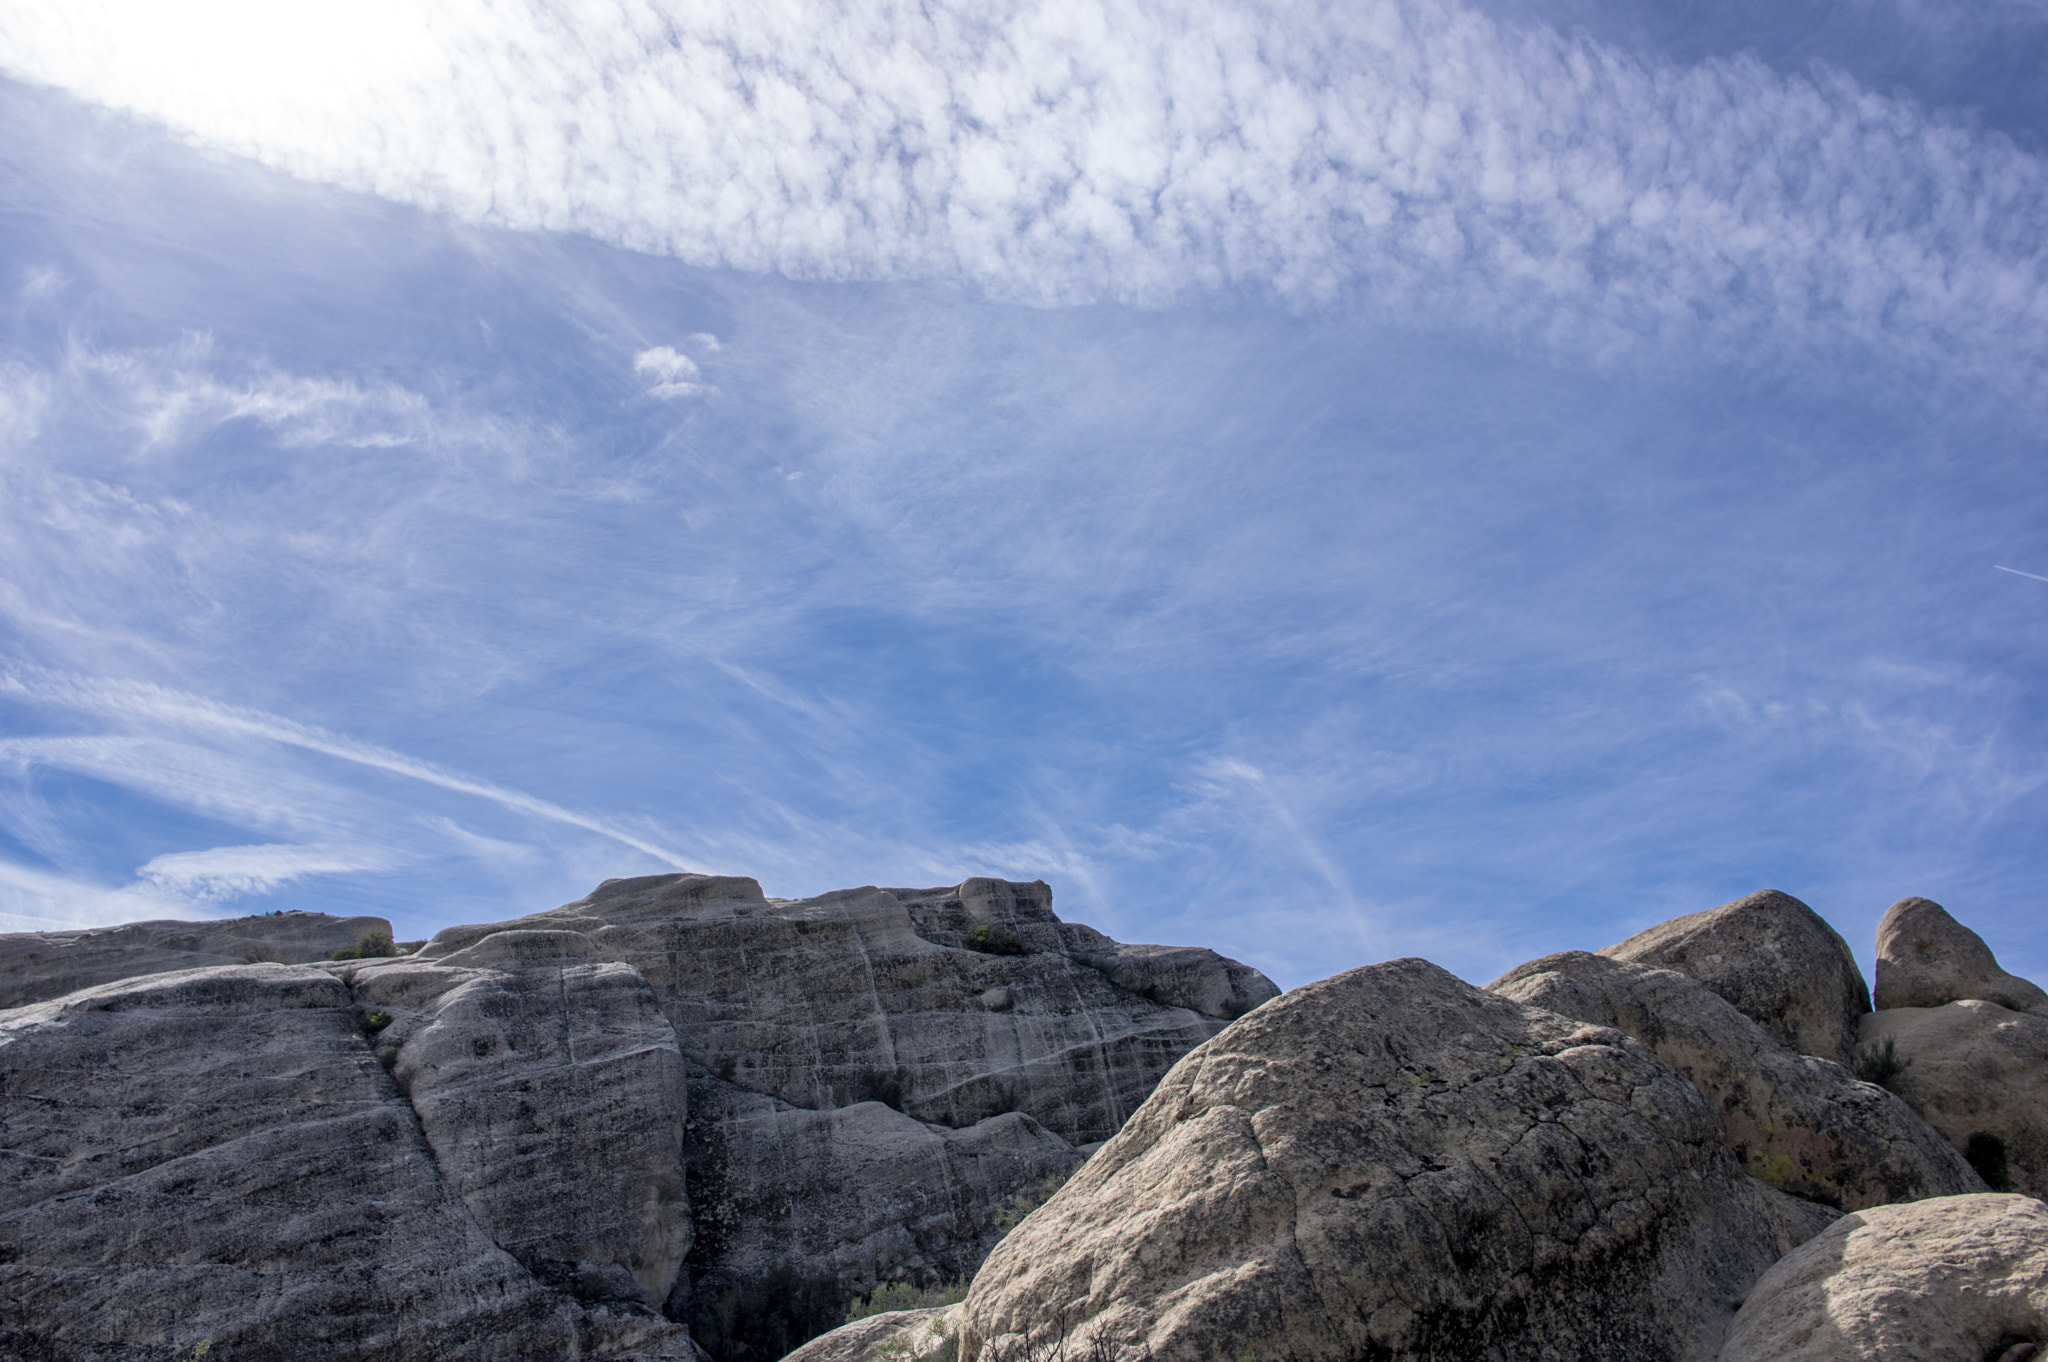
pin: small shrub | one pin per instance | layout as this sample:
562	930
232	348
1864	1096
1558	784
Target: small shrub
387	1055
369	946
1053	1347
1986	1153
376	1022
994	941
906	1296
1880	1064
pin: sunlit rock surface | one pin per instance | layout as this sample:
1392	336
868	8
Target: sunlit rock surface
39	965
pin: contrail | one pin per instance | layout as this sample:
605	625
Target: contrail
2017	573
129	699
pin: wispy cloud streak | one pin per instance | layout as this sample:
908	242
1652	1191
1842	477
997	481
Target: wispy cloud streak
158	706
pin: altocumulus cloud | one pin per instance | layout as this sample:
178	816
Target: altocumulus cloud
1413	160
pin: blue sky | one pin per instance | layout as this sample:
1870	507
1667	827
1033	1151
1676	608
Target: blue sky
1328	483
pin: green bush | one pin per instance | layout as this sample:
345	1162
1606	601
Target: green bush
906	1296
370	946
1986	1153
994	941
1880	1064
376	1022
765	1318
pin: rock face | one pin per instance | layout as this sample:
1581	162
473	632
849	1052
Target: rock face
1926	958
1393	1163
35	966
493	1147
216	1154
1775	959
1957	1277
550	1088
865	1090
1973	1068
1802	1124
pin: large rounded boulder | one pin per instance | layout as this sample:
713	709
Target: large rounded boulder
1926	958
1802	1124
1962	1277
1388	1163
1775	959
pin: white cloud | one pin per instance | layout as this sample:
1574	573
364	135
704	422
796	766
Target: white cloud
229	872
1413	158
674	374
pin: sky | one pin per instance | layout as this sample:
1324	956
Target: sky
1324	482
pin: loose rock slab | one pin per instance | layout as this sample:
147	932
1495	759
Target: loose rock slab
1391	1162
1975	1066
1953	1277
1802	1124
1775	959
1926	958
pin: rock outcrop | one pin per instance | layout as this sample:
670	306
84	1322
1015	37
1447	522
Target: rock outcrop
1957	1277
1926	958
35	966
1775	959
216	1155
1393	1163
1802	1124
494	1146
1974	1069
865	1089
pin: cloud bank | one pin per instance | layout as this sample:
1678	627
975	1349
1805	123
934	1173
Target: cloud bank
1417	160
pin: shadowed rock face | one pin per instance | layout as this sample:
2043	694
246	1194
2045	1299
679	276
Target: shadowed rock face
35	966
1953	1277
1800	1123
1390	1163
1972	1067
1775	959
1926	958
216	1154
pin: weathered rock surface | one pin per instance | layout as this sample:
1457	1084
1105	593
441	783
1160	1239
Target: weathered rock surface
216	1154
1802	1124
855	1068
551	1090
1971	1067
494	1144
1390	1163
1775	959
899	1336
1962	1277
35	966
1926	958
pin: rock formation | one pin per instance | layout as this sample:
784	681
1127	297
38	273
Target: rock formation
39	965
1802	1124
1393	1163
536	1138
216	1155
1775	959
1926	958
1957	1277
1975	1069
